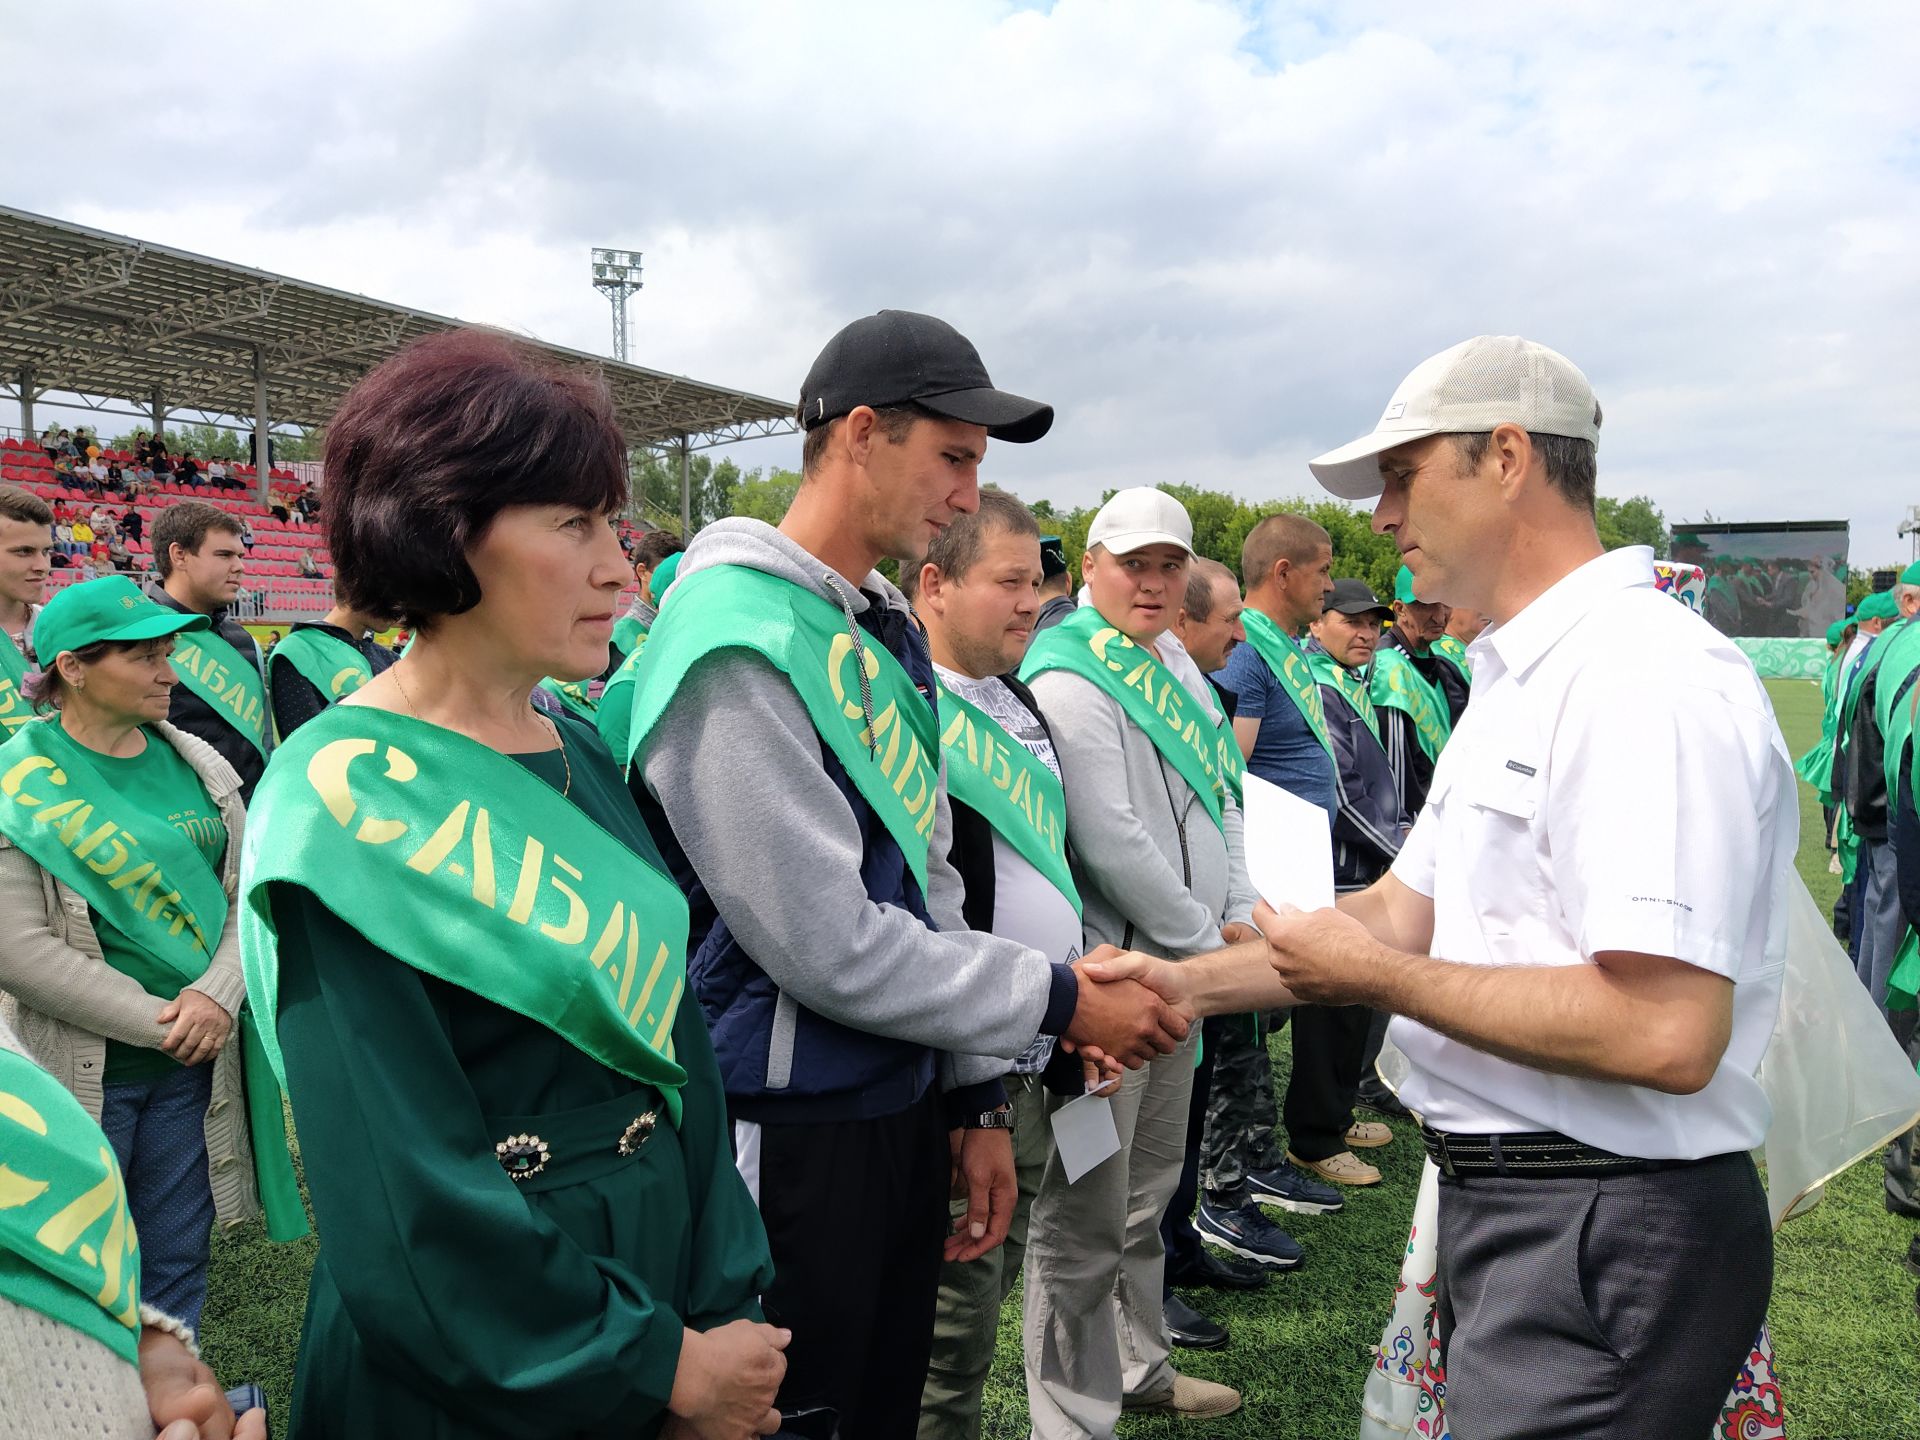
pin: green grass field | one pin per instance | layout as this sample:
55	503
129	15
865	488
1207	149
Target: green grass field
1844	1328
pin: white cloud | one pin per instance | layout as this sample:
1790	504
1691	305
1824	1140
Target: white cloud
1214	237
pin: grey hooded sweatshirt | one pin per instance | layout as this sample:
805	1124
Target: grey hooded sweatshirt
740	773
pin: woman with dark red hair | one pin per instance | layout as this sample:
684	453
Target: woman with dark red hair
512	1125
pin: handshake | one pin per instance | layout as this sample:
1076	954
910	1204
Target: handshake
1133	1006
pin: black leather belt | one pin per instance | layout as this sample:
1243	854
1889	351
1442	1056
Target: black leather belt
1538	1154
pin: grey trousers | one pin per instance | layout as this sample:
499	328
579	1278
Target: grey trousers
1092	1325
1883	924
1612	1309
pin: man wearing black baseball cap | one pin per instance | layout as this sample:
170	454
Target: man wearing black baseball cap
785	746
1056	584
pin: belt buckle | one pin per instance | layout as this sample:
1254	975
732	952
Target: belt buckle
1446	1156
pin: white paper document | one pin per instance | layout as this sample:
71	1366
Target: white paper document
1289	847
1084	1132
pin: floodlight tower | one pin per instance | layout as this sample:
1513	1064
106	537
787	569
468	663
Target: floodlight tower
616	274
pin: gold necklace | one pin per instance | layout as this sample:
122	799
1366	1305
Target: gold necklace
566	788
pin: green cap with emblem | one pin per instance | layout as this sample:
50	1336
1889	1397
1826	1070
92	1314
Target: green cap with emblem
111	608
1403	587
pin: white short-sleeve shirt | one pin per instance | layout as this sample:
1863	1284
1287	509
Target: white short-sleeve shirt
1618	783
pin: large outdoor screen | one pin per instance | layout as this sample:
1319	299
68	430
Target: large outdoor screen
1787	579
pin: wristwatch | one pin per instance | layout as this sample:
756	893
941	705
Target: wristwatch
1001	1119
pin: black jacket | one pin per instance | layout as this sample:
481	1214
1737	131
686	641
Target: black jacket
196	717
1369	821
1437	672
294	698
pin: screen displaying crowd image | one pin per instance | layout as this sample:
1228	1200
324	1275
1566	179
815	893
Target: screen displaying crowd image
1785	581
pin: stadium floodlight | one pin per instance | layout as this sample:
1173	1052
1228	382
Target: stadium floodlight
616	274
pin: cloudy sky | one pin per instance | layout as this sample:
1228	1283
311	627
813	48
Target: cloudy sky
1214	235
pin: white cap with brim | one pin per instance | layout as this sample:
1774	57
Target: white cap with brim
1478	384
1138	517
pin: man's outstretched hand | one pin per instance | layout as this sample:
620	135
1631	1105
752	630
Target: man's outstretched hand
1121	1019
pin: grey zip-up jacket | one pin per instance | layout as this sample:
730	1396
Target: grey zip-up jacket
1126	808
737	766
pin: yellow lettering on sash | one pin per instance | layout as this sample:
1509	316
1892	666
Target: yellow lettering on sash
59	1233
340	682
575	930
1103	638
327	773
111	1254
609	937
662	1033
483	890
13	1108
837	653
17	1189
147	887
646	989
633	959
528	885
56	811
215	678
87	846
69	833
953	731
115	858
144	868
16	777
428	857
188	654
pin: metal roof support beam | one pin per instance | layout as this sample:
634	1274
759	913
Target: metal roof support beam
26	399
262	449
686	491
159	409
109	270
174	322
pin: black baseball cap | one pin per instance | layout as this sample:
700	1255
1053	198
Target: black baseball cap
896	357
1053	556
1352	597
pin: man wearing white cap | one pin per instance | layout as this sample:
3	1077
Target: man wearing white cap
1585	992
1152	773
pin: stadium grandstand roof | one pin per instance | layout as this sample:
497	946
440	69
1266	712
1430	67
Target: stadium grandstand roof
93	314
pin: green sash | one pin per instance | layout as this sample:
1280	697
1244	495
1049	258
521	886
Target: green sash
14	709
326	662
805	636
1451	649
1398	685
1816	766
67	1243
1900	658
1288	662
573	695
1352	685
615	714
486	878
1150	694
228	681
1010	787
1233	765
628	632
152	884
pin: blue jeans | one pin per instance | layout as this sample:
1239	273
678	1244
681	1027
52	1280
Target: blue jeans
158	1132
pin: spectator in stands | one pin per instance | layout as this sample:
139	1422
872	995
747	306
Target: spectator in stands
100	520
133	524
67	447
309	567
89	445
156	451
63	537
83	534
26	549
246	534
323	660
50	441
119	554
222	692
187	472
101	565
63	472
217	473
116	478
132	1013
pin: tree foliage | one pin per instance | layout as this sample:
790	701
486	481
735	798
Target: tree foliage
1637	521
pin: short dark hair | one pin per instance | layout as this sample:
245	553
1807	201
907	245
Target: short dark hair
1572	463
24	506
895	423
1202	575
187	524
656	545
1285	536
956	549
429	447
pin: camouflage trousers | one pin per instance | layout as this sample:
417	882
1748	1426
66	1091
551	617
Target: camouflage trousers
1241	1111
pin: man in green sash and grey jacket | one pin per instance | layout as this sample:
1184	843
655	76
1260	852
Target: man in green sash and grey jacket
322	661
222	694
1152	775
786	720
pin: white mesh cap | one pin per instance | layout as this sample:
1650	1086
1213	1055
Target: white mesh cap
1480	383
1141	516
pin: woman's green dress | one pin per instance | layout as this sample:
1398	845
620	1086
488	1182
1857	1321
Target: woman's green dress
449	1300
